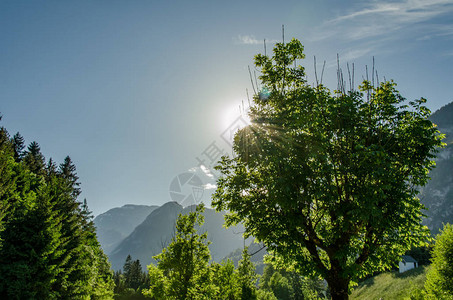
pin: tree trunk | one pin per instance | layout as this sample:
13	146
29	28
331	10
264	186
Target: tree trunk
338	287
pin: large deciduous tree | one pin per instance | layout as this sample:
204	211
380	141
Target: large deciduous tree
328	180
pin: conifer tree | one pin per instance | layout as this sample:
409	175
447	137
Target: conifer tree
51	169
48	245
67	171
31	236
34	159
6	171
18	142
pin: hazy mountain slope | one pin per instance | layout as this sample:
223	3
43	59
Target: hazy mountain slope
156	231
437	195
117	223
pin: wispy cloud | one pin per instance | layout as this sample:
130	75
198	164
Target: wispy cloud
247	40
251	40
380	26
352	55
382	18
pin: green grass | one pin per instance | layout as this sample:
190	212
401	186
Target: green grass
390	285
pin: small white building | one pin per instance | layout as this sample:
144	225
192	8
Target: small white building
407	263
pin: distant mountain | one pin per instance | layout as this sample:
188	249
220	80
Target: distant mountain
437	195
117	223
156	231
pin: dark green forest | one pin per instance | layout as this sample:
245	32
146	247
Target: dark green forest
48	245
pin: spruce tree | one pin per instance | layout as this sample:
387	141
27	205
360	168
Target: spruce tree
68	172
34	159
29	260
48	245
18	143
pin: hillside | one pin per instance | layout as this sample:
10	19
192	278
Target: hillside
437	195
390	285
117	223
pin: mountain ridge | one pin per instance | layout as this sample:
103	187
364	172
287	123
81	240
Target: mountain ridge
158	228
117	223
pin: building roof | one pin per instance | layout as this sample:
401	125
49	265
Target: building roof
408	259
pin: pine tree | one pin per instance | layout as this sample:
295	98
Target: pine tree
51	169
18	143
127	266
31	236
48	245
132	273
34	159
7	174
68	172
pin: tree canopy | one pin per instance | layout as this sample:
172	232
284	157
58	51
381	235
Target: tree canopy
328	180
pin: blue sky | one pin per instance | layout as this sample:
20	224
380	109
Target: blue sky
136	91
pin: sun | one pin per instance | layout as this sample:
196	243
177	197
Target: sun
235	113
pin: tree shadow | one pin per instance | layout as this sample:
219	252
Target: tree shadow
411	273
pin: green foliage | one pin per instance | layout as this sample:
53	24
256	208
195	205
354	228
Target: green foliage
265	295
159	288
328	180
285	284
246	276
130	283
34	159
48	244
18	143
439	283
225	278
182	270
281	287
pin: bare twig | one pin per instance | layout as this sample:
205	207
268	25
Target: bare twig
263	247
251	80
322	73
316	73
